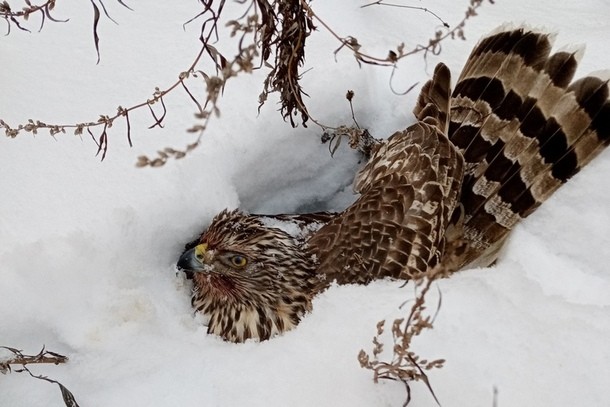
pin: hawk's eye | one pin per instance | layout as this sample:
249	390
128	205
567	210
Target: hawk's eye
238	260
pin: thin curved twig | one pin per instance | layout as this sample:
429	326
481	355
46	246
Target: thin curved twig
12	17
433	45
424	9
104	120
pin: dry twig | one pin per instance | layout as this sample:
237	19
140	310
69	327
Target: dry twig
13	17
269	34
406	365
43	356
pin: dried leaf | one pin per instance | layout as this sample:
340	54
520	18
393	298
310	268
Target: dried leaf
96	38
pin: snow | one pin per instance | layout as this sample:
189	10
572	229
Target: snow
5	355
87	249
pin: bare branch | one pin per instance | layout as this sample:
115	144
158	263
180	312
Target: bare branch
270	31
13	17
405	365
19	358
383	3
394	56
43	356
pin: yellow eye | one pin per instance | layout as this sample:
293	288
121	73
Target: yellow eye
239	261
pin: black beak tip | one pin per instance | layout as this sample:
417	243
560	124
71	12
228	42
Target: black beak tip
184	265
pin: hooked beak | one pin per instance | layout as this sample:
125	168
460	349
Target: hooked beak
194	260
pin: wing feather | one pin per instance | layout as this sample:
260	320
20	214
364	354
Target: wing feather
409	190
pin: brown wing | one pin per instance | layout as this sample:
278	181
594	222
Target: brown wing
523	131
409	189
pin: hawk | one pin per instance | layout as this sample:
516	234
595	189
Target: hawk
444	192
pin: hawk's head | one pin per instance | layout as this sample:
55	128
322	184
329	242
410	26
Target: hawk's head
252	280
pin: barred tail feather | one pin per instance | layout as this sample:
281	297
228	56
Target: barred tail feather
523	130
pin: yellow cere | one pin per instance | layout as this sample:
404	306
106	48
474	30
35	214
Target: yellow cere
200	251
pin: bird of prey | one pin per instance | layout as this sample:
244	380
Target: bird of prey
445	192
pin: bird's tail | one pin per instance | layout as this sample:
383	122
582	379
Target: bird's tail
524	128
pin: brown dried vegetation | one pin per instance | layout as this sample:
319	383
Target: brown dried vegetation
405	365
269	34
44	356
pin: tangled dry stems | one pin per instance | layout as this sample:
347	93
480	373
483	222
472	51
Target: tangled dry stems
405	365
269	34
44	356
12	17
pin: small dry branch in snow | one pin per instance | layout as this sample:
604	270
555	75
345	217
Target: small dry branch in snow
405	365
16	357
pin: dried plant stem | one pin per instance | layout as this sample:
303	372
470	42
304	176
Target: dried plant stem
13	17
405	365
394	56
43	356
424	9
277	27
34	359
6	12
19	358
106	121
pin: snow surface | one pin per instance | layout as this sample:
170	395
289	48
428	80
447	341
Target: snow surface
87	249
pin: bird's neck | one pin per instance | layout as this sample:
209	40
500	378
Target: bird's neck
261	316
